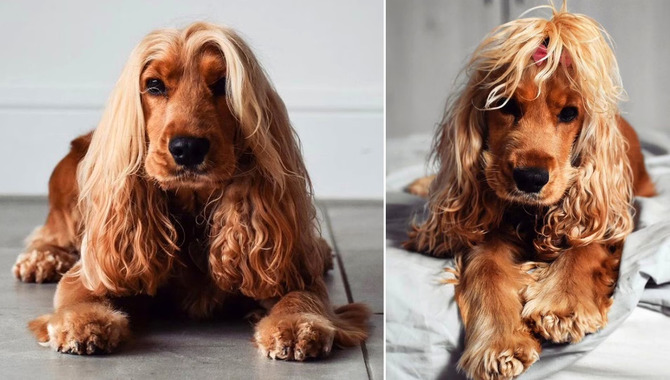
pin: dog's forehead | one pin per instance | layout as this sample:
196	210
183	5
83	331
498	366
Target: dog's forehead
211	64
173	64
556	89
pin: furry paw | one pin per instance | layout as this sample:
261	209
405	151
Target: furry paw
562	311
421	186
84	329
43	266
502	359
565	323
299	336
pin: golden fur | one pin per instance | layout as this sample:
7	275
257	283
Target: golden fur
241	222
557	115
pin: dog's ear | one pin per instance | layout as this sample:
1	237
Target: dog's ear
265	221
460	211
128	240
598	206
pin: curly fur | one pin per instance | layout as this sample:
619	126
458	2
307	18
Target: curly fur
597	207
241	223
509	117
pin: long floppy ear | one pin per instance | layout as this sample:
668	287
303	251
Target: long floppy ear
598	207
128	240
460	209
264	233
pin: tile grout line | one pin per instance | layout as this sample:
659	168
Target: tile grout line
345	281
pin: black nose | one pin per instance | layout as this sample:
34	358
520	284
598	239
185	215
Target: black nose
530	180
188	151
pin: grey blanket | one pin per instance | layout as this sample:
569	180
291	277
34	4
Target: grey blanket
424	335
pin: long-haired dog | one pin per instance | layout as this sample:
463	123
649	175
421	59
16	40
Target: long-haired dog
192	185
537	169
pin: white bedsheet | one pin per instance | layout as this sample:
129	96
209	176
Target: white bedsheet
424	335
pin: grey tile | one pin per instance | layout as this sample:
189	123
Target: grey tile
375	347
336	290
167	349
357	226
18	218
365	274
358	231
174	351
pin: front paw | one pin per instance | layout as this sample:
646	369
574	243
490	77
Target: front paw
562	313
85	329
298	336
43	265
501	358
564	322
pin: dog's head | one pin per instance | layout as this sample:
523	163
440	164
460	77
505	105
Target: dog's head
190	106
191	130
192	113
536	125
530	137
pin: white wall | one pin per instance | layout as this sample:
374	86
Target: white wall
430	41
59	61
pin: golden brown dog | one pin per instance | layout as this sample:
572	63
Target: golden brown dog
192	184
537	170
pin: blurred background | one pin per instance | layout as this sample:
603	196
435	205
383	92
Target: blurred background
61	59
429	42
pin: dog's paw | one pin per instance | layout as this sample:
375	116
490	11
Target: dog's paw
564	312
86	329
501	359
565	322
299	336
43	265
421	186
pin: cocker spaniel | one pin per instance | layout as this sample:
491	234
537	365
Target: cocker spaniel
192	185
537	170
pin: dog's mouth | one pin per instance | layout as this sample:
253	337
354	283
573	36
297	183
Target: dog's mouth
511	193
522	197
186	177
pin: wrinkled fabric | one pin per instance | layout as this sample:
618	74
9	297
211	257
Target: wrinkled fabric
424	335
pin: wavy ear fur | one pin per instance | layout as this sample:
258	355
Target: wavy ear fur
264	232
597	208
460	210
128	241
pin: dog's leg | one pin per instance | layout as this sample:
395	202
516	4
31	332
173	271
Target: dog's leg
421	186
82	323
302	325
54	247
498	345
572	295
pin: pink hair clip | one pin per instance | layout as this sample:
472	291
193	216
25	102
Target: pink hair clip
541	53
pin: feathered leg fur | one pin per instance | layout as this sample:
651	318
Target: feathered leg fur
572	295
302	325
54	247
498	345
82	323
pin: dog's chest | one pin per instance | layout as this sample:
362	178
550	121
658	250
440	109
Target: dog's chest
193	231
521	224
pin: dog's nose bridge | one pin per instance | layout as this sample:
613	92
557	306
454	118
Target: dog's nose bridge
535	158
183	117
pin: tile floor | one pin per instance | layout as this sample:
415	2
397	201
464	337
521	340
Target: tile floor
177	349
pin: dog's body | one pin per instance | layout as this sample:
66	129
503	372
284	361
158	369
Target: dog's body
193	185
537	171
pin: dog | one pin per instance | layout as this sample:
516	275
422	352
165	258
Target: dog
192	185
534	192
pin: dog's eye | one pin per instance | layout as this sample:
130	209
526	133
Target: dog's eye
511	107
568	114
155	87
218	88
